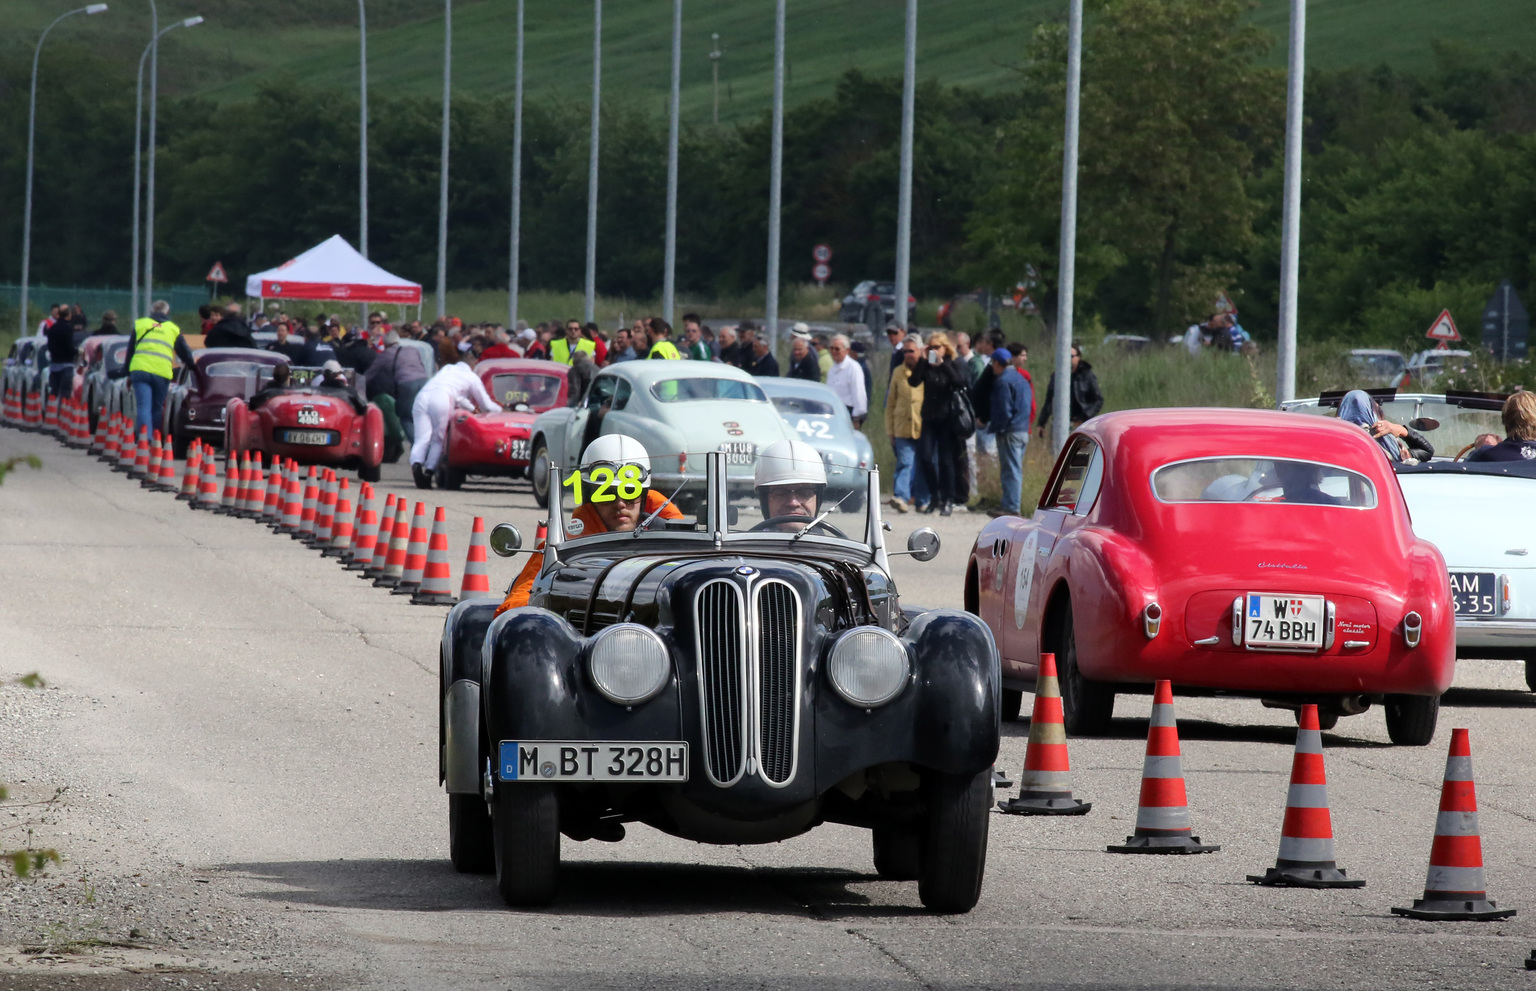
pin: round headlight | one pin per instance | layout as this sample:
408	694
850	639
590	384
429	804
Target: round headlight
869	666
628	663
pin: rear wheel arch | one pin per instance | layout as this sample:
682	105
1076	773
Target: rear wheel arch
972	589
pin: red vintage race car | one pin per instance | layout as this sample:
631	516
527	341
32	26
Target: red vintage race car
497	443
1231	551
312	424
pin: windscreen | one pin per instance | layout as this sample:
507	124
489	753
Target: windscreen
1263	480
683	390
536	391
802	406
1449	429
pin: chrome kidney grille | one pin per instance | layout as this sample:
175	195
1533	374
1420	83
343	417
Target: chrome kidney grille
749	679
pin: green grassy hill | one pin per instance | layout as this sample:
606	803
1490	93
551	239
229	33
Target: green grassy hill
965	42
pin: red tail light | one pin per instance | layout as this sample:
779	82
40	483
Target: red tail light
682	461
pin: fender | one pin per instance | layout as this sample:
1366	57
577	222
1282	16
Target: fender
372	453
1110	584
237	433
955	660
460	660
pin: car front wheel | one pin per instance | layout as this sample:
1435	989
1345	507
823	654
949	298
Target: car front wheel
526	826
1411	719
538	473
471	847
370	473
954	855
448	477
1013	704
898	853
1086	705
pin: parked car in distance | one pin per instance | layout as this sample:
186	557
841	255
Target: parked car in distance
498	443
1239	552
195	403
874	305
1426	366
724	681
818	417
1376	367
103	361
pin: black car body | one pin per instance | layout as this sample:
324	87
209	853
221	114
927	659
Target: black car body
758	636
874	305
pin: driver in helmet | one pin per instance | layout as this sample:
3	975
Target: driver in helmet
791	482
606	458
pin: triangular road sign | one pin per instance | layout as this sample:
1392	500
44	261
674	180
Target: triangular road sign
1444	328
216	273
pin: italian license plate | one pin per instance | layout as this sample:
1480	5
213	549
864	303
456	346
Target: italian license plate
1283	622
741	452
1473	593
592	760
518	450
319	438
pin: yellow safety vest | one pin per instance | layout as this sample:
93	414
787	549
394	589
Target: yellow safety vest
560	350
154	346
665	349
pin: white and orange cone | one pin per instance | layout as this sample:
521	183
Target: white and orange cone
1045	787
341	521
108	452
325	510
272	498
1456	888
1162	819
1306	836
293	503
126	443
189	477
415	554
141	457
400	536
230	499
208	482
477	570
151	479
377	566
365	531
436	577
167	465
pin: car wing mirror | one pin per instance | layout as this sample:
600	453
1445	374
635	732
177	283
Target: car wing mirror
1424	424
922	544
505	540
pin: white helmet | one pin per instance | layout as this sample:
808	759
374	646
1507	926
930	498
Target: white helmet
788	462
615	451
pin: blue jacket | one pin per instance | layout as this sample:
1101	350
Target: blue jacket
1011	403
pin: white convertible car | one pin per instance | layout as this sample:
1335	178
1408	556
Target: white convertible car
1479	513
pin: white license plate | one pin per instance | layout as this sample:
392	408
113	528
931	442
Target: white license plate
1283	622
519	450
592	760
739	452
317	437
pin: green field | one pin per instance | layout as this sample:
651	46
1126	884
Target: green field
961	42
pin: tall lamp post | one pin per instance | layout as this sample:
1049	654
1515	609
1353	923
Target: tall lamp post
26	223
669	276
517	181
1290	208
362	125
442	184
714	70
138	114
1061	408
775	177
904	190
589	306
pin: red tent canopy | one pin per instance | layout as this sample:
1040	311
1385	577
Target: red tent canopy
332	269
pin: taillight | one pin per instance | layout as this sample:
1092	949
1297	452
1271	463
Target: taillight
682	461
1413	629
874	297
1152	619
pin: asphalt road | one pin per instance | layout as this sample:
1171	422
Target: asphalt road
244	735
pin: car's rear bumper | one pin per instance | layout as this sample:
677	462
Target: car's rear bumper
1385	668
1500	633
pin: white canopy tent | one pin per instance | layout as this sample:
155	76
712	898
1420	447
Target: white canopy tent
332	270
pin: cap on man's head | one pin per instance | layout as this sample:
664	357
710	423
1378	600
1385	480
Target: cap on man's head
465	345
894	329
801	328
333	366
527	333
1002	356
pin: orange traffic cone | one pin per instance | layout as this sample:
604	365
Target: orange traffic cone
99	435
208	481
1045	787
477	571
311	501
376	567
415	554
1162	820
400	535
255	486
141	457
1455	888
341	521
436	578
167	466
293	502
1306	835
230	498
125	445
189	477
325	510
50	415
364	532
271	503
151	479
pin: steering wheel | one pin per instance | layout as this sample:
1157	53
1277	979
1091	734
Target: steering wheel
823	527
1461	455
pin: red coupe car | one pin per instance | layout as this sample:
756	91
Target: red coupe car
497	443
1236	552
312	424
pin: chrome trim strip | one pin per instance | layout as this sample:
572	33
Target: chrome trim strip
1330	615
737	659
757	631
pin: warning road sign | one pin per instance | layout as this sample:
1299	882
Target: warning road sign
1444	328
216	273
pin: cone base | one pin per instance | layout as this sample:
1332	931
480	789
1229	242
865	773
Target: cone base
354	566
434	599
333	552
1469	909
303	535
405	588
183	497
1306	877
1164	844
385	581
1045	806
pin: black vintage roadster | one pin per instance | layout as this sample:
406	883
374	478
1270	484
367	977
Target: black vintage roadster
724	683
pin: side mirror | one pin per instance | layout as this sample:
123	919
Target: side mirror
923	544
505	540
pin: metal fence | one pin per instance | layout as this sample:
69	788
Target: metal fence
94	302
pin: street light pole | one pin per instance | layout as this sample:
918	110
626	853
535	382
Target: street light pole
362	121
590	306
1290	209
26	223
442	184
904	190
775	177
669	276
138	114
714	68
1061	408
517	180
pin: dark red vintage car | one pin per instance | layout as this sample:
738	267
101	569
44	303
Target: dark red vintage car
194	406
497	443
1236	552
312	424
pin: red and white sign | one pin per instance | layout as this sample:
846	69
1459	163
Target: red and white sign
821	272
822	253
332	269
216	273
1444	328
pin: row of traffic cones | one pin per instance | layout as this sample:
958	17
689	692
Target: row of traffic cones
35	411
1455	888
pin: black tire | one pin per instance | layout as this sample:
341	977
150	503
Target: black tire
1411	719
954	858
1327	720
1530	673
1086	706
471	845
538	472
898	853
526	824
1013	705
367	474
449	478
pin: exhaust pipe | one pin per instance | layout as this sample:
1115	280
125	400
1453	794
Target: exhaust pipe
1413	629
1353	705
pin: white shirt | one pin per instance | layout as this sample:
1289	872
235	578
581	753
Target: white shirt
846	379
459	386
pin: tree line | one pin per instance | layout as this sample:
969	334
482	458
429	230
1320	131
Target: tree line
1420	189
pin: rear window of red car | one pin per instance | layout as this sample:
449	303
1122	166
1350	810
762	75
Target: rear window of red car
1263	480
